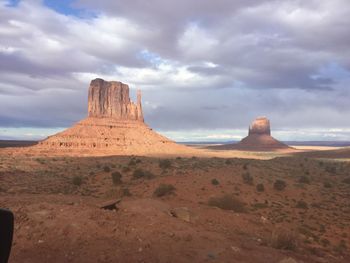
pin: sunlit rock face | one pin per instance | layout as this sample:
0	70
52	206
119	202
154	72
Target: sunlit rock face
110	99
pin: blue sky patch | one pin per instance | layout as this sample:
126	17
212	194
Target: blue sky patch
12	3
68	8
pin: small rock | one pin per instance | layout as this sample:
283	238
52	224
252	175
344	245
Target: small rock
111	205
235	249
182	213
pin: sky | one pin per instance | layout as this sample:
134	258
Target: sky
206	68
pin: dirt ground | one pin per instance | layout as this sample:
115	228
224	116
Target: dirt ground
169	209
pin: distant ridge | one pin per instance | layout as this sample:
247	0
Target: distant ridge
16	143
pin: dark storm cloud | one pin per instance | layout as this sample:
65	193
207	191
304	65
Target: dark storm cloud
201	64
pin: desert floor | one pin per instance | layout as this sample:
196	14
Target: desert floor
178	209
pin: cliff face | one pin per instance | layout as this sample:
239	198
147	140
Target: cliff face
110	99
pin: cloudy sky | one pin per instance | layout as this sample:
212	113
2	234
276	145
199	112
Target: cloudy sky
206	68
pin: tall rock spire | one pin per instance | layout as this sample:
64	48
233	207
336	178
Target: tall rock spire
139	106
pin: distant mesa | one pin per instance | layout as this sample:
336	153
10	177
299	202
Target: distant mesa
259	139
114	126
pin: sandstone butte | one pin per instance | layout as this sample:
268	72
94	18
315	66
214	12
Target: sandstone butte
114	126
259	139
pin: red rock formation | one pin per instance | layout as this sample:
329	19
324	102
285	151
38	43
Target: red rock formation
259	139
260	125
114	125
110	99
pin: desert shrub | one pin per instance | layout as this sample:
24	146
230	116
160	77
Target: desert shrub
331	169
126	192
279	185
247	178
126	169
116	178
304	179
301	204
260	205
260	188
346	180
341	247
325	242
139	173
106	169
214	182
228	161
164	163
164	189
245	166
132	162
77	180
284	239
327	185
228	202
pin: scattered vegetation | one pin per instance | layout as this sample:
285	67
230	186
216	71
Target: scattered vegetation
116	178
164	163
284	239
327	185
126	192
332	170
301	204
126	169
164	189
341	247
260	205
132	162
304	179
228	161
245	166
215	182
140	173
279	185
346	180
260	188
106	169
77	180
247	178
228	202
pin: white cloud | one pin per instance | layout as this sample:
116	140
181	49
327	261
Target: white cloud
202	65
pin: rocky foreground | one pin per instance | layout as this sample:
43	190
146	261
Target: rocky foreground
138	209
